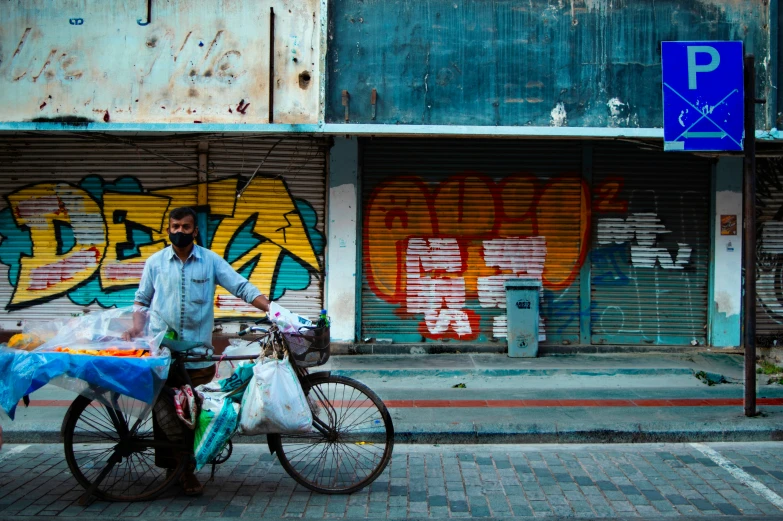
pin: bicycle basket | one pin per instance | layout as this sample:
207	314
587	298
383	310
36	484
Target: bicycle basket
309	347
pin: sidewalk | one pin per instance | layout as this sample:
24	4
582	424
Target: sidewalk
728	481
490	398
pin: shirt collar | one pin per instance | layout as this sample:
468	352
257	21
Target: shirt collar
195	252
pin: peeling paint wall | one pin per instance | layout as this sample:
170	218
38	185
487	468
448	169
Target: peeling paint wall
576	63
727	285
193	62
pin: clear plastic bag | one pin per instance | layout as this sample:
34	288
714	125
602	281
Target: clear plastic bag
58	359
274	401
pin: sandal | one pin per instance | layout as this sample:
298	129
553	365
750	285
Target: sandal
191	484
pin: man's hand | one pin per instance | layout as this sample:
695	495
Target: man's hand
261	302
131	334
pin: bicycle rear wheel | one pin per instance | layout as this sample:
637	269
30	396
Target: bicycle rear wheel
350	443
109	439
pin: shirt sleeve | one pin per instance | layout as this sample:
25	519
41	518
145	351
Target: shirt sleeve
146	290
234	283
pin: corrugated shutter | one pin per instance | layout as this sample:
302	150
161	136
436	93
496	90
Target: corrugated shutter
769	249
277	227
446	221
651	246
86	186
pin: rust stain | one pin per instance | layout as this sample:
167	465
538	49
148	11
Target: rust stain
46	64
21	43
213	44
193	93
187	37
106	117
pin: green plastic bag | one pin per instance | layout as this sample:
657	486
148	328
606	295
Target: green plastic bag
219	416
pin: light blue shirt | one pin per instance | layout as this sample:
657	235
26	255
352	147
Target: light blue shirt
183	294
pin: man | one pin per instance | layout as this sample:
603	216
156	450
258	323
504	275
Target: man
178	283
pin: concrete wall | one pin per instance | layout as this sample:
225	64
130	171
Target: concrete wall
193	62
727	279
576	63
341	257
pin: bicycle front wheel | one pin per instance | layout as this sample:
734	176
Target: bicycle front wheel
351	440
109	442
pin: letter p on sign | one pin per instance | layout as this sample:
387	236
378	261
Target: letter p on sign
693	69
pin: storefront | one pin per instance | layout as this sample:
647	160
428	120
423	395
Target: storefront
82	212
618	233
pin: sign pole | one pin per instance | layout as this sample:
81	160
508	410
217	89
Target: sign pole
749	236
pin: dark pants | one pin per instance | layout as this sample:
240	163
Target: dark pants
166	426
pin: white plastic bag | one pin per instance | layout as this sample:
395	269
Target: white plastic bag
287	320
274	401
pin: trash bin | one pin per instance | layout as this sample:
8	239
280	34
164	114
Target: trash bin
522	296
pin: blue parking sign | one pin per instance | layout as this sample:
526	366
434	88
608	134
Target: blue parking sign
703	96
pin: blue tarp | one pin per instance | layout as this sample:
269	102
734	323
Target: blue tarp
23	372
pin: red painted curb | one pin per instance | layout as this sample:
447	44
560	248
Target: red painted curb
464	404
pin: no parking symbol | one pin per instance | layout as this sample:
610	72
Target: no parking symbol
703	95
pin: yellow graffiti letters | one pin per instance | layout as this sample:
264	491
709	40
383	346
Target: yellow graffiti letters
125	212
68	237
268	214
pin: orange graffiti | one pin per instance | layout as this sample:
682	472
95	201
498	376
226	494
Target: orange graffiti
607	197
450	224
466	206
400	208
566	232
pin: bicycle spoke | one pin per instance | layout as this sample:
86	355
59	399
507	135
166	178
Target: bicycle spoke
93	439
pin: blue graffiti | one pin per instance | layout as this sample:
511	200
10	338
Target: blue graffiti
14	242
606	266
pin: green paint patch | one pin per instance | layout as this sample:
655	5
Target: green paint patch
709	378
92	293
14	242
766	367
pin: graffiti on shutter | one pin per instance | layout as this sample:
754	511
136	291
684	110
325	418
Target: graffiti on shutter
89	241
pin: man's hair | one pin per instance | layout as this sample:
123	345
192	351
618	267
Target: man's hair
182	212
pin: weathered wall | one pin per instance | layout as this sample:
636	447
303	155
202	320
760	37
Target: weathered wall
727	264
193	62
578	63
341	259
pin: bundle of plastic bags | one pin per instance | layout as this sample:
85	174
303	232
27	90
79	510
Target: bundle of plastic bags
86	354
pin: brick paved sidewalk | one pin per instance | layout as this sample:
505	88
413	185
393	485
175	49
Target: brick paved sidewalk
438	482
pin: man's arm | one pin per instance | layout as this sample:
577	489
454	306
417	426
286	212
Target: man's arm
238	285
143	299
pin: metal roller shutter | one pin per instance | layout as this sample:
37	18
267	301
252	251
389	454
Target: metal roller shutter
769	249
65	244
273	234
651	246
445	222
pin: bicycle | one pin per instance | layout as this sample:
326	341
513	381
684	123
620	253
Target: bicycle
110	443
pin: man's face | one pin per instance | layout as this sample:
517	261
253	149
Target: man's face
184	225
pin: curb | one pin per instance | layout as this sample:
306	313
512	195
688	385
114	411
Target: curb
451	373
374	348
495	435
